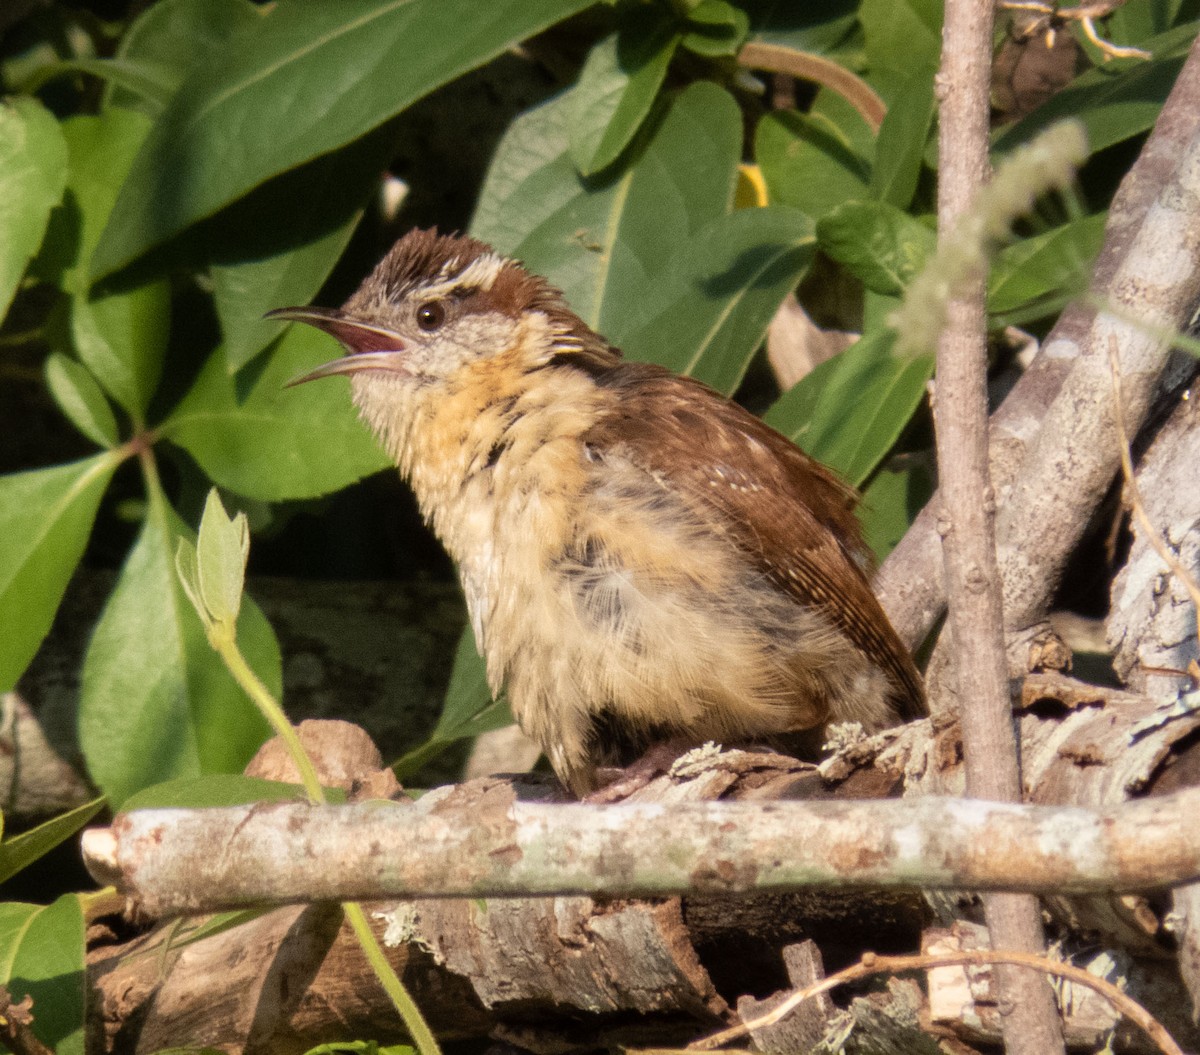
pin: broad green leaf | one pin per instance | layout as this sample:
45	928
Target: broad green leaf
719	293
175	37
81	399
1116	101
835	110
119	335
683	181
876	242
100	151
617	87
820	28
211	790
468	699
222	549
849	411
1130	26
603	242
33	174
891	503
156	702
253	436
187	568
22	850
277	246
1054	264
122	339
900	146
468	709
42	956
900	36
147	86
308	78
809	162
715	28
45	519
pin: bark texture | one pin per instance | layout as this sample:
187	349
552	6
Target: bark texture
544	972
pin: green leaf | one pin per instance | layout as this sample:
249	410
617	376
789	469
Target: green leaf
22	850
716	29
603	242
1131	27
277	246
900	146
156	702
121	335
187	567
900	36
851	409
175	37
809	162
617	87
876	242
45	519
1116	101
819	28
146	85
100	151
122	339
33	174
212	790
253	436
468	709
891	503
1055	264
222	550
42	956
720	292
81	399
468	698
308	78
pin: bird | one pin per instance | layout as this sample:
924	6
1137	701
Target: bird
643	560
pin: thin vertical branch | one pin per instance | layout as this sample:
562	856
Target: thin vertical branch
1030	1017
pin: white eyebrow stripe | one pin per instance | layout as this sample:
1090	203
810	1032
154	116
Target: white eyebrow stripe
480	273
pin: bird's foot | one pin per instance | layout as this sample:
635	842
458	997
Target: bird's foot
619	783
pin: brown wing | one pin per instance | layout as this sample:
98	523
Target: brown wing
788	512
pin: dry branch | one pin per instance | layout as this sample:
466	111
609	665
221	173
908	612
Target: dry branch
1148	267
479	840
973	584
872	964
537	970
1152	624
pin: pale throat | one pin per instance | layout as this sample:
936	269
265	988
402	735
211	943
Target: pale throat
470	441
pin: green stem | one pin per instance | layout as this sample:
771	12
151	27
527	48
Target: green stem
414	1022
221	635
222	639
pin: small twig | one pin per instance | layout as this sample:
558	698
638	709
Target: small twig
1135	496
16	1025
1052	18
871	964
775	58
968	510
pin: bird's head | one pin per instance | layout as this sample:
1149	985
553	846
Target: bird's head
437	303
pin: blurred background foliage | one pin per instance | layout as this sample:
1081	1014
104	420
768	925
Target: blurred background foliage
738	190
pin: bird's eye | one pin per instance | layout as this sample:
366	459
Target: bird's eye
431	315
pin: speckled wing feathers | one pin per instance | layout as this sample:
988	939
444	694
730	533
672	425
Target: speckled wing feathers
770	497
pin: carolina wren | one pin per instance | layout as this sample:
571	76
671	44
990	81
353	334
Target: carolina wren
642	558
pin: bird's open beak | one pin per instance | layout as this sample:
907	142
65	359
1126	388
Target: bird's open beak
369	347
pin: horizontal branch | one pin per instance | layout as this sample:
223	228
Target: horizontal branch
477	840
